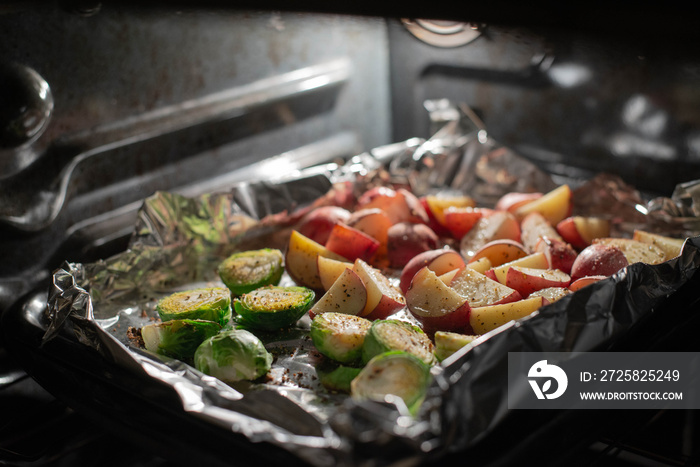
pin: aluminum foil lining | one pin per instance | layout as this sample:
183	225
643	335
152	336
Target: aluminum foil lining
178	242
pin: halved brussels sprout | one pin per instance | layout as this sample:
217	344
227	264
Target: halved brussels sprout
273	307
233	355
336	378
211	304
391	334
398	373
178	338
447	343
246	271
339	336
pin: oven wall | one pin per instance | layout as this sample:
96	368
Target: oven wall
575	100
180	100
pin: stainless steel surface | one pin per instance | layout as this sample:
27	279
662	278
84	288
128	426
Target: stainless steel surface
576	102
176	100
26	103
135	78
442	33
42	207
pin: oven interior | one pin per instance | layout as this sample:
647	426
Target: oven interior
102	105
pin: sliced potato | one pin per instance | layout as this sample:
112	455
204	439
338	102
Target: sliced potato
487	318
671	246
301	260
636	251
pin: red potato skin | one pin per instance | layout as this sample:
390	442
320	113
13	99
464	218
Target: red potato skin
384	198
434	311
424	259
529	284
433	223
390	300
513	297
351	243
457	321
560	254
386	307
491	274
584	281
571	231
375	223
369	221
598	260
374	193
533	227
401	205
459	221
509	228
300	265
407	240
417	212
497	225
318	223
568	231
512	201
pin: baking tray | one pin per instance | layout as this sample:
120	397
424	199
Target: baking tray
72	338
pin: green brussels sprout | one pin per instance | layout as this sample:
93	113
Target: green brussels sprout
248	270
398	373
178	338
391	334
339	336
336	378
447	343
211	304
272	307
233	355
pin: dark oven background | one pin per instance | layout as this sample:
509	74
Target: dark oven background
118	102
